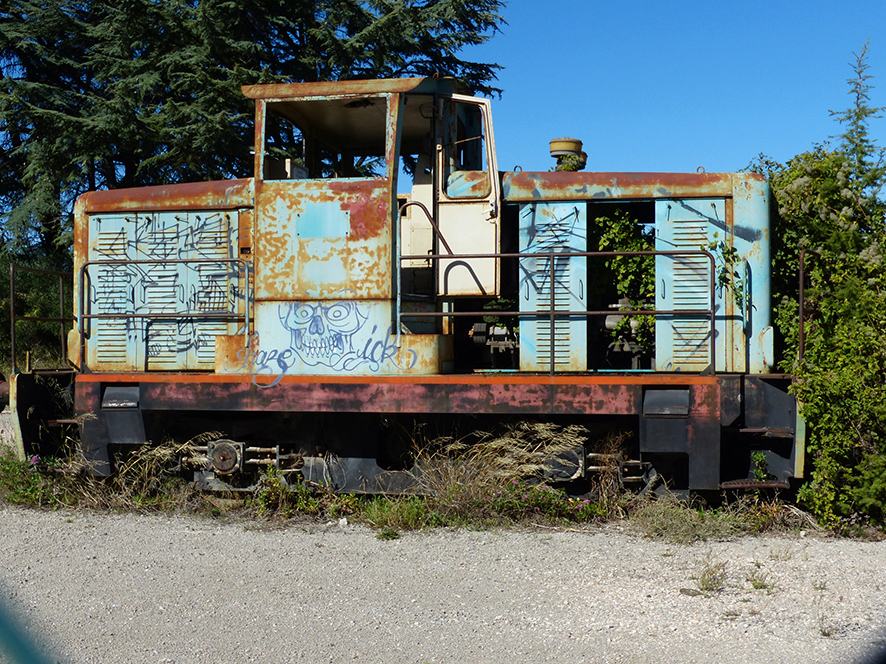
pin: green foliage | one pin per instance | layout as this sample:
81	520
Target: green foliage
514	503
275	496
387	534
867	488
37	295
726	261
517	503
502	304
148	480
829	205
633	276
104	95
20	483
571	163
401	513
868	169
761	471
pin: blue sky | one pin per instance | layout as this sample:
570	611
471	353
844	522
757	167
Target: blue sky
672	86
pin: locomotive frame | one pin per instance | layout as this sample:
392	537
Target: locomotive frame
302	310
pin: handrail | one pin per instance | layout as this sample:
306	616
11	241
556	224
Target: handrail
176	315
397	242
801	296
61	319
433	223
553	314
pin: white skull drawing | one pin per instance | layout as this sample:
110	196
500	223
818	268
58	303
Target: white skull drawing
322	331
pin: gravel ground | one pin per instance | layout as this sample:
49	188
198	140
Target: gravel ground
128	588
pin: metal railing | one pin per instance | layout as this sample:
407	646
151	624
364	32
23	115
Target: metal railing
61	319
178	315
552	314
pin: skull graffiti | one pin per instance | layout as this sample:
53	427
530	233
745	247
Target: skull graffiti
322	332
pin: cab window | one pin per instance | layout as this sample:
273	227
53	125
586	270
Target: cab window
464	160
328	139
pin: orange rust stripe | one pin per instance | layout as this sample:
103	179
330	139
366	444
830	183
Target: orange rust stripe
449	379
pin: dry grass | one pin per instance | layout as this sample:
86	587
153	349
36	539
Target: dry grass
462	474
477	479
681	521
753	514
146	478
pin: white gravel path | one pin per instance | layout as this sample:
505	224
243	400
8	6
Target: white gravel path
127	588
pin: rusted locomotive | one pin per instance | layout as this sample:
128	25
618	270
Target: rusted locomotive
379	267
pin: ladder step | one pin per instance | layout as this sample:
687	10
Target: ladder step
754	484
770	432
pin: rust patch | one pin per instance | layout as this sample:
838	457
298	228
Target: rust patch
244	234
233	355
295	258
73	346
415	396
219	195
87	396
564	186
344	88
81	252
369	207
705	401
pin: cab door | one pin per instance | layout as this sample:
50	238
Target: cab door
467	195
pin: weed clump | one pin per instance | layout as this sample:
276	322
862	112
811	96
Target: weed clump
402	513
286	497
146	479
760	580
21	484
712	575
686	521
681	522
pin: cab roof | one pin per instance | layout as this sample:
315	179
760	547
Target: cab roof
281	91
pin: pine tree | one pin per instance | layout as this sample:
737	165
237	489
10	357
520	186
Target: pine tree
105	94
867	159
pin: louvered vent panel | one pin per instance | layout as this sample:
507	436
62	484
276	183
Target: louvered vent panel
162	291
211	285
153	287
683	341
163	345
562	302
691	288
556	227
111	292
